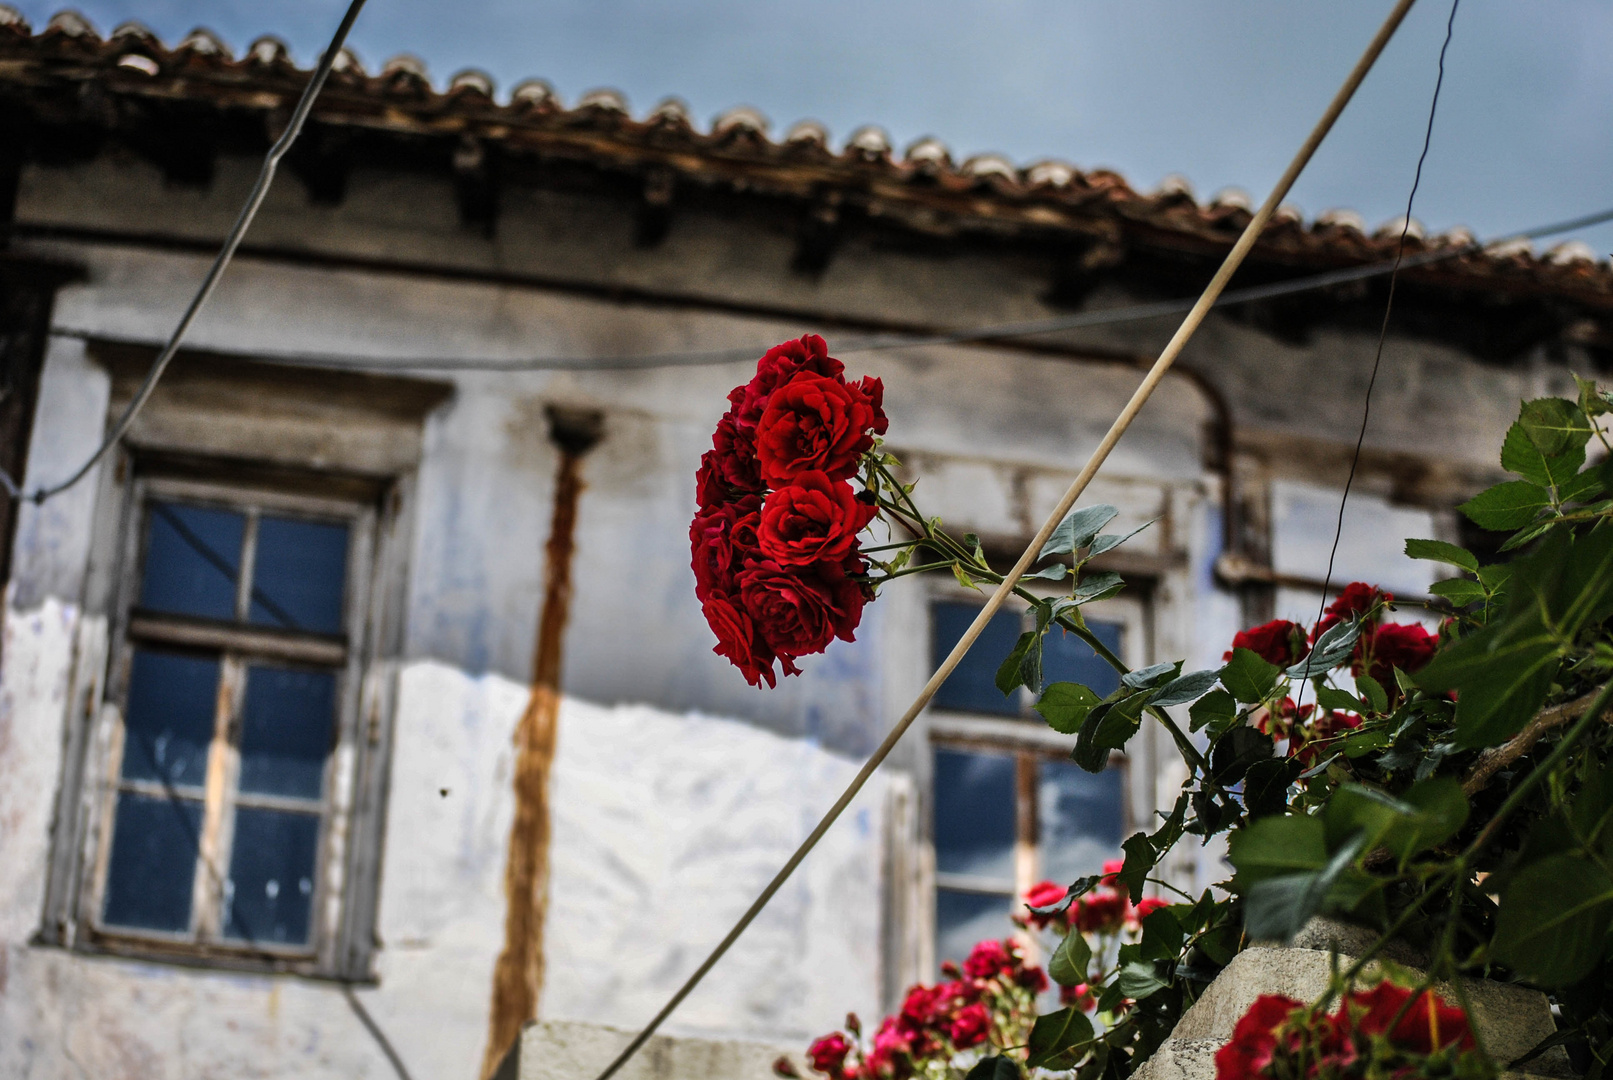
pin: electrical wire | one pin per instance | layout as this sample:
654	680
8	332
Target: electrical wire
243	221
892	341
1383	332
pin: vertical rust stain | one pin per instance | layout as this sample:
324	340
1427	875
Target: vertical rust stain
518	974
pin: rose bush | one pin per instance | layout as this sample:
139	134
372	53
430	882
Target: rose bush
1452	785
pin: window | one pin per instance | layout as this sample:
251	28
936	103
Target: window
1009	807
222	825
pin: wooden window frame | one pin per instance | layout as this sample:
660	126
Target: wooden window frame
341	916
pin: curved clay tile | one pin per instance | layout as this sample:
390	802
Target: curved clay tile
671	114
605	100
471	82
1458	236
535	95
131	31
807	133
1288	214
406	75
268	51
1390	230
1517	249
348	64
13	20
869	143
1232	198
741	122
203	42
1051	174
1174	189
69	23
990	167
1570	252
1341	219
140	62
929	155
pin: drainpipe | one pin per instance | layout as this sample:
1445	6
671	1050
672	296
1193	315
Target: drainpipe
518	975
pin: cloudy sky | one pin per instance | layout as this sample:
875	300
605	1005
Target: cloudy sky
1219	91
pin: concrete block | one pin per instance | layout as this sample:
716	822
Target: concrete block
566	1050
1510	1020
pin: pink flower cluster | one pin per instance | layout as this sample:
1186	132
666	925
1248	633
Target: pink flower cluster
991	999
1387	1031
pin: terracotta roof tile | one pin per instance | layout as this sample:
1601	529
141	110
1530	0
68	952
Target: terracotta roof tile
926	186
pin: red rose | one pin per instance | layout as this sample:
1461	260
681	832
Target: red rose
828	1054
970	1026
1302	740
987	960
721	538
1357	599
813	424
814	519
777	366
738	641
1102	912
1254	1039
921	1005
734	457
1372	1011
799	614
889	1057
1147	906
873	392
1406	646
1278	642
1031	978
1045	894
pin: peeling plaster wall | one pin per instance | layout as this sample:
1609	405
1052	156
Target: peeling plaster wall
666	827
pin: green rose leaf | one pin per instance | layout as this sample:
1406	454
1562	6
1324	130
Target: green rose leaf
1056	1034
1153	675
1248	677
1064	705
1139	979
1236	751
1277	846
995	1068
1372	691
1097	587
1520	454
1507	506
1072	960
1189	687
1554	919
1077	530
1459	591
1331	649
1110	541
1140	858
1555	426
1011	673
1440	551
1162	935
1212	710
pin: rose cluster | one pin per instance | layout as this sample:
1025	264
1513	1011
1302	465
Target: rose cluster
1381	648
1105	912
991	998
1387	1031
774	539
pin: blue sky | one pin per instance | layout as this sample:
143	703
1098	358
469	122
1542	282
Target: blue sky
1220	91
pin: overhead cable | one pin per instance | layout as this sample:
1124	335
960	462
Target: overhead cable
243	221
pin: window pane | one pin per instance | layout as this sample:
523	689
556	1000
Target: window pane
193	560
1066	658
1080	816
974	814
153	864
169	721
963	919
286	730
271	885
972	686
298	575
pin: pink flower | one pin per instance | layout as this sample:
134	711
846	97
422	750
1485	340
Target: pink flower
828	1054
969	1027
988	960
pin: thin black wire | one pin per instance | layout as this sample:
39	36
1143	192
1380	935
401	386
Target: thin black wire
884	342
243	221
1383	329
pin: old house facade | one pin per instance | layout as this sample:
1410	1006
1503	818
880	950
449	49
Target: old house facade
261	668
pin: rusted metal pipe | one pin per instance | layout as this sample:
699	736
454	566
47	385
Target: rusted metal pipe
518	974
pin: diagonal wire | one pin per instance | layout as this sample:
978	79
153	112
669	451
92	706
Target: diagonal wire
890	341
243	221
1155	375
1383	329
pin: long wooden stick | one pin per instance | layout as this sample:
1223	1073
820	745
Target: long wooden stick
1178	341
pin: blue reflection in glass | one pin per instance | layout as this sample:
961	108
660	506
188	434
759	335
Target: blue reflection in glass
298	575
963	919
193	560
1066	658
169	721
153	863
270	890
972	686
286	730
1080	817
974	814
